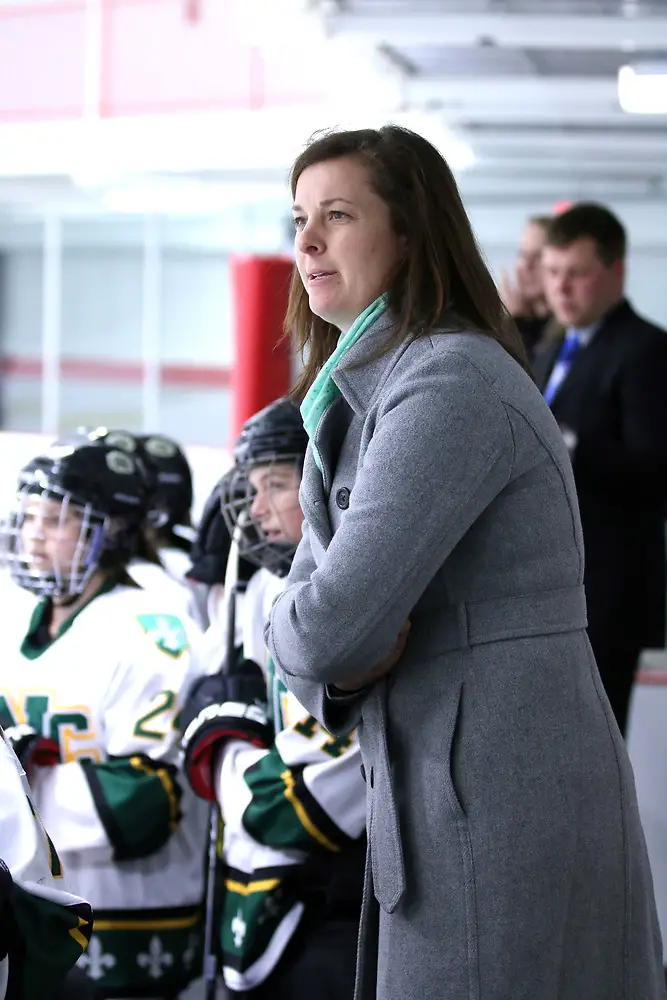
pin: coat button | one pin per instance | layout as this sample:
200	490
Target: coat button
343	498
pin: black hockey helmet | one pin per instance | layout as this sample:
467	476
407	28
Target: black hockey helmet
168	476
125	441
274	436
212	544
171	506
104	486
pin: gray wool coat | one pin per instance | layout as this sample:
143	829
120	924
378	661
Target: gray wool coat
506	856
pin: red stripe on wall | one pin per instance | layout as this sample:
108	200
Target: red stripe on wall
107	370
651	677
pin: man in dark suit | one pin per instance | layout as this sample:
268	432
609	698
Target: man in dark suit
606	383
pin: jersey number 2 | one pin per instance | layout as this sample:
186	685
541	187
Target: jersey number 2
164	702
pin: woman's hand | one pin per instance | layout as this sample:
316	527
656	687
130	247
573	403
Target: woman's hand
351	684
512	296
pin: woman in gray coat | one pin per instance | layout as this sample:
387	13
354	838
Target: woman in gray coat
436	603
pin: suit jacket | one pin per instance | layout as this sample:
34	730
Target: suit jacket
538	333
506	853
615	399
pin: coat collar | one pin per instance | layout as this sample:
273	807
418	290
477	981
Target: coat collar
359	379
359	374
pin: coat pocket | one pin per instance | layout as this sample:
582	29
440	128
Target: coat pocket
449	752
463	871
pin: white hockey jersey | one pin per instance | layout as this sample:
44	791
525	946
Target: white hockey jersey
158	580
107	689
49	927
303	799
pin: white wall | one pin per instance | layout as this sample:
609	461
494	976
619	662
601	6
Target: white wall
102	319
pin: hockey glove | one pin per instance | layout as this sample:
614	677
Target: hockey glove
222	707
31	747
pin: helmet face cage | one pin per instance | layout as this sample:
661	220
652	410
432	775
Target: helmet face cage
57	580
236	500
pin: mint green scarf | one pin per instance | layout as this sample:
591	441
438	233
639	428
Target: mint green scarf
324	390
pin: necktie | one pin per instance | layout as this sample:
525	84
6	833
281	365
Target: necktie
571	345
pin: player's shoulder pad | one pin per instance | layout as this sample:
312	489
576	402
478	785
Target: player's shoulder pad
166	631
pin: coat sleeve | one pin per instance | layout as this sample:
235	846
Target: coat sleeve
633	461
441	450
340	713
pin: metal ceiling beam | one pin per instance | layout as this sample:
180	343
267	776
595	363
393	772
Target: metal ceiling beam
493	167
520	99
556	114
528	187
507	30
624	147
536	91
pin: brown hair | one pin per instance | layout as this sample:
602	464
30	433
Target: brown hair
587	220
543	221
442	275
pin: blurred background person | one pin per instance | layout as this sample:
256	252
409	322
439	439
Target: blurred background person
523	294
606	382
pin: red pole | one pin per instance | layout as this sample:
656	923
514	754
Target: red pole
192	11
263	362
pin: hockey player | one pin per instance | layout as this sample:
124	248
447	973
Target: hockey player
209	555
172	533
160	560
292	797
89	692
43	928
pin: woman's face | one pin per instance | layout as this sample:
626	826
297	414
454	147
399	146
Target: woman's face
51	535
275	505
346	250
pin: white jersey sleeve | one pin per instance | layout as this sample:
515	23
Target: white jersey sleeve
43	928
306	793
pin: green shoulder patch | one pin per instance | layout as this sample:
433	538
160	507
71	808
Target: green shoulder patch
166	631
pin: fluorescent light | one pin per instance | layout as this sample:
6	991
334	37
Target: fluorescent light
642	89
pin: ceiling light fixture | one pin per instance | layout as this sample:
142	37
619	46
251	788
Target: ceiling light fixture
642	88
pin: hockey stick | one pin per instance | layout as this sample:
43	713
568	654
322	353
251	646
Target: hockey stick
213	902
